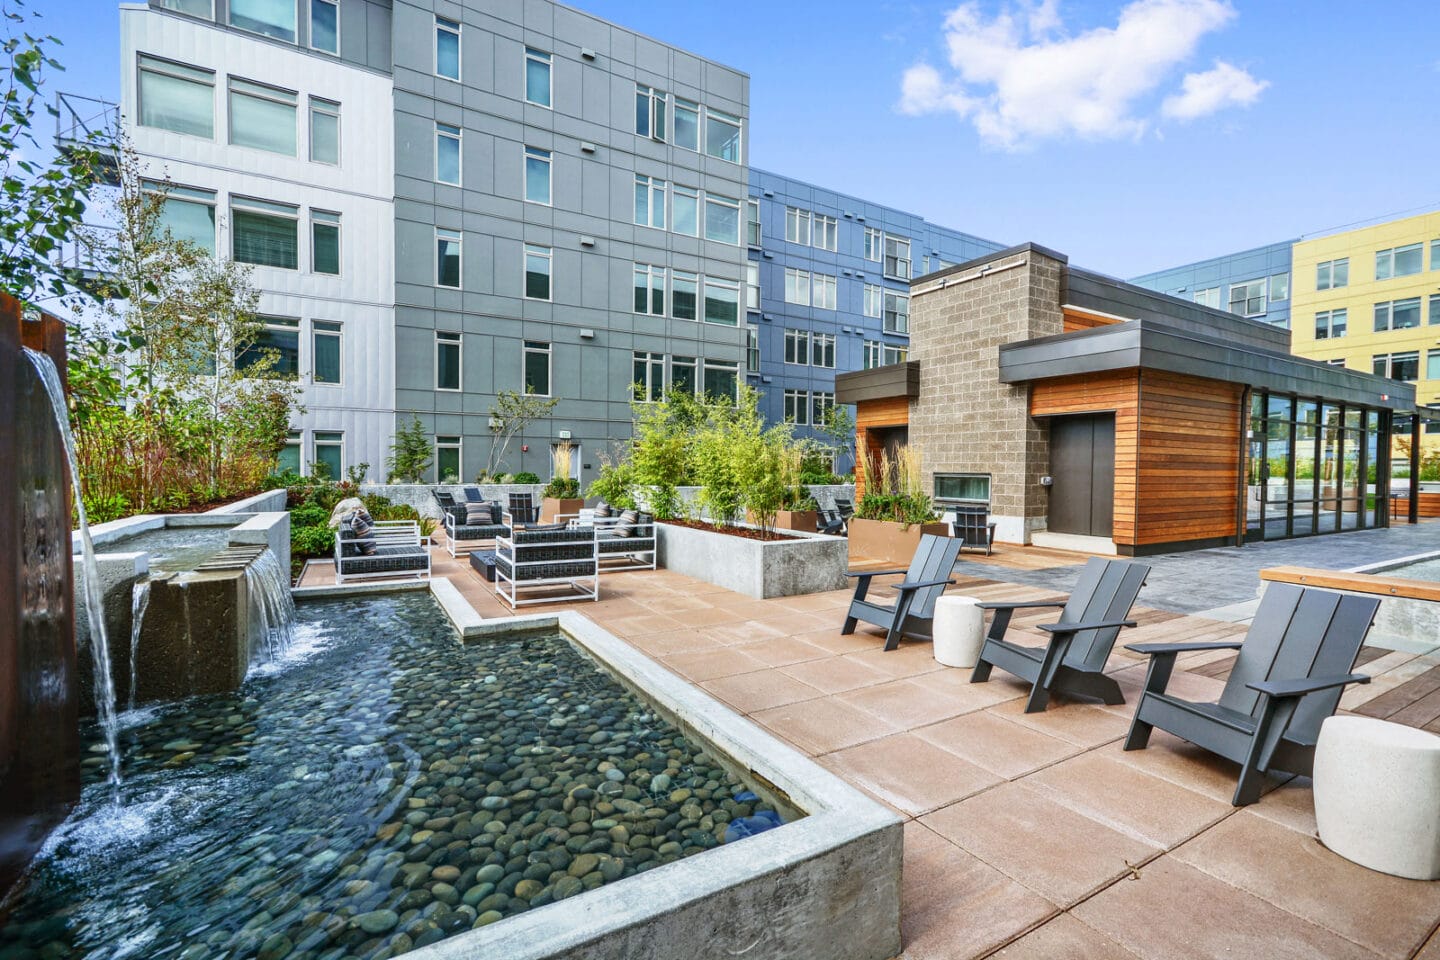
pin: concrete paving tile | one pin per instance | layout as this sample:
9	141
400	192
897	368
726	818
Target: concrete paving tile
1195	768
1183	684
711	664
1174	910
637	626
818	603
761	690
781	651
741	631
1083	724
1064	938
835	674
1121	797
1007	749
1431	950
1290	804
824	725
670	602
910	660
956	682
905	702
908	773
837	642
1060	854
1390	915
954	907
684	640
794	624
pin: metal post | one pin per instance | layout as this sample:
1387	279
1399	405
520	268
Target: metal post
1415	467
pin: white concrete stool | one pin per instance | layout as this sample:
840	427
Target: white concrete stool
1377	795
959	630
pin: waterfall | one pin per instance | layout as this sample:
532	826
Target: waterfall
139	600
271	606
94	601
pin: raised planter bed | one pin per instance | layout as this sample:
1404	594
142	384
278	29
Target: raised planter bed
889	541
803	521
796	563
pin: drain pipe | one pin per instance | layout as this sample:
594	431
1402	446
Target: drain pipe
1242	492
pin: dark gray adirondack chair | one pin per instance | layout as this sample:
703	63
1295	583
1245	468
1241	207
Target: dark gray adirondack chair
830	523
973	526
1295	662
444	498
845	508
473	495
1073	663
914	609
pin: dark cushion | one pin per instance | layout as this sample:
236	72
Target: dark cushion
626	526
487	532
602	509
354	544
479	515
388	560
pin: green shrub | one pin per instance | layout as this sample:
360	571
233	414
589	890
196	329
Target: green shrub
312	541
525	476
309	515
615	484
562	488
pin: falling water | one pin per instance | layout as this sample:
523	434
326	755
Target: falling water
270	603
94	605
139	601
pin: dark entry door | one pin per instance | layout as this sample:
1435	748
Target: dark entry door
1082	465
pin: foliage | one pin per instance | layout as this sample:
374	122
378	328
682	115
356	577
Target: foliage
838	428
894	488
660	455
510	414
309	515
799	497
562	486
409	454
309	542
616	482
525	476
356	473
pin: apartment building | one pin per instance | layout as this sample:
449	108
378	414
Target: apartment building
1255	284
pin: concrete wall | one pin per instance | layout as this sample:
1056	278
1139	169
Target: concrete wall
802	563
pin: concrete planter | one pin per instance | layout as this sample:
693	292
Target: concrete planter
888	541
801	563
550	508
801	521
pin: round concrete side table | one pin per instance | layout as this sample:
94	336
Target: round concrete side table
959	630
1377	795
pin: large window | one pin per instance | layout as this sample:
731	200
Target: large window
1397	314
752	349
825	286
537	368
752	222
176	97
722	219
1397	366
879	354
797	286
797	225
1432	365
722	302
537	272
752	286
648	378
289	459
537	77
262	117
327	456
1399	261
797	406
279	339
968	487
797	346
897	258
1280	287
448	244
1330	274
649	289
324	241
874	300
447	154
650	112
274	18
722	380
188	214
1248	299
685	217
827	232
198	8
324	131
684	290
821	403
722	136
447	48
325	351
683	375
649	202
447	458
447	360
1330	324
874	244
537	175
687	124
325	26
822	350
897	312
264	233
1208	297
1435	309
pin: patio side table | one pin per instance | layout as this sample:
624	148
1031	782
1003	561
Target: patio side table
959	631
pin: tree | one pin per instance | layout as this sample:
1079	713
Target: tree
838	428
410	454
41	204
510	414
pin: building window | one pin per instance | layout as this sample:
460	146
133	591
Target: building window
822	350
447	154
1434	265
683	292
687	124
1399	261
325	26
198	8
752	222
894	355
897	312
1330	274
1432	365
324	131
447	258
537	175
325	351
722	380
897	258
265	234
797	346
537	272
685	217
447	48
1280	287
327	454
279	337
871	354
649	202
969	487
537	77
1434	301
722	136
289	459
874	244
820	406
722	302
1397	366
824	297
273	18
797	226
1397	314
1330	324
874	300
649	289
324	242
1248	299
650	112
682	375
752	286
262	117
797	286
177	98
187	214
1209	297
752	349
797	406
649	376
447	459
722	219
1335	362
447	360
537	368
827	232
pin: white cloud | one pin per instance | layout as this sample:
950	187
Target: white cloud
1202	94
1020	77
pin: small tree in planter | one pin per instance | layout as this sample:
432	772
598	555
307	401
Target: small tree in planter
660	457
410	454
561	495
894	511
616	482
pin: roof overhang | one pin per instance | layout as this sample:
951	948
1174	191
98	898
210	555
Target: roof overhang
879	383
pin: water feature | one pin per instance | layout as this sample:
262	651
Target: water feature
94	604
388	789
175	549
271	607
139	602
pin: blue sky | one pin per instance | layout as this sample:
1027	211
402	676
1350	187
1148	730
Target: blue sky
1072	124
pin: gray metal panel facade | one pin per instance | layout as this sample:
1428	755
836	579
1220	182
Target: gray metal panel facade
1224	272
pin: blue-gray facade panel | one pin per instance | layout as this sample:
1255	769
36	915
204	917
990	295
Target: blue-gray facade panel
1222	273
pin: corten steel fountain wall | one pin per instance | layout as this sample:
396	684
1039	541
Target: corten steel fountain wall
39	734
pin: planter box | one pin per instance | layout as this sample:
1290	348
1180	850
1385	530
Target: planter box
550	508
889	541
801	521
801	563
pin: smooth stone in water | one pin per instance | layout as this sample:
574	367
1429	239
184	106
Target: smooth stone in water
377	921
